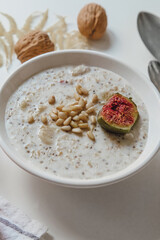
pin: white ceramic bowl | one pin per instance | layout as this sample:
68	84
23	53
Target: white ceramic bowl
142	85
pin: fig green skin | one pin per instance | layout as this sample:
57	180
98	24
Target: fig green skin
115	128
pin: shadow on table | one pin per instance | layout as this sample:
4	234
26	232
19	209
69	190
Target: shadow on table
126	210
47	236
105	43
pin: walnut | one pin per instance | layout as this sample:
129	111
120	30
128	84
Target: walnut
92	21
33	44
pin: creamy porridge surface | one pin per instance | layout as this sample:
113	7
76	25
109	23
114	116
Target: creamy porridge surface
69	154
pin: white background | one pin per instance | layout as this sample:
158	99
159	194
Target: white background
129	210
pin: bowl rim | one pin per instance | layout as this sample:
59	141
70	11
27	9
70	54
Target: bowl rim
72	182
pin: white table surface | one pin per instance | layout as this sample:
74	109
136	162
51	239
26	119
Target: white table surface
129	210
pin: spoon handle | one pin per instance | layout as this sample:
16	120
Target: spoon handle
154	73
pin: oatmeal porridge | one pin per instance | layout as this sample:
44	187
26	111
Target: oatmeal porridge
51	120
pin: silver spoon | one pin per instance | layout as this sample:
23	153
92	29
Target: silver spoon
154	73
149	30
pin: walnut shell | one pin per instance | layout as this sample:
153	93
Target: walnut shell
92	21
33	44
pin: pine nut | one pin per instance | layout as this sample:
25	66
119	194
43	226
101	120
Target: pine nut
88	105
74	103
41	108
73	113
91	135
66	109
80	121
51	100
31	119
79	89
83	117
91	109
93	127
76	130
66	128
59	122
73	124
44	119
54	110
84	91
76	96
60	107
76	107
67	121
81	102
94	98
62	115
93	120
76	118
53	116
83	125
85	100
84	113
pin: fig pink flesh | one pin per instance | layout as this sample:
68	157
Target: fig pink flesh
119	110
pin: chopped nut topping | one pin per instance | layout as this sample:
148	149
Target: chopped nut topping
80	70
46	134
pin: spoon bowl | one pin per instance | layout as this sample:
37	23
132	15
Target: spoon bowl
149	30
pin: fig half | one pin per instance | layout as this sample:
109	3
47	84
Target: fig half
119	114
